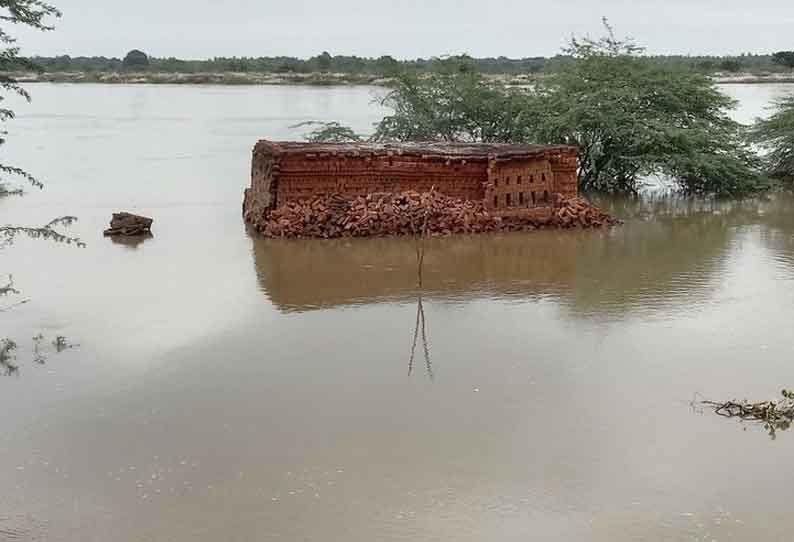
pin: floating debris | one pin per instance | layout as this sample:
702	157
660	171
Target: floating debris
774	415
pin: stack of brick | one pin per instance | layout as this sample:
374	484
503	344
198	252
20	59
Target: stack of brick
410	213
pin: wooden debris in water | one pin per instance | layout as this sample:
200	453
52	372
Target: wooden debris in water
774	415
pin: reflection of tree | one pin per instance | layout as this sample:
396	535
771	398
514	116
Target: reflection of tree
669	252
420	245
420	327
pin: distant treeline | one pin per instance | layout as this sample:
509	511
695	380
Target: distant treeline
385	65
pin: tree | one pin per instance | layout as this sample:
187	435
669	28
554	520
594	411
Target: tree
324	61
776	136
632	118
455	103
784	58
136	59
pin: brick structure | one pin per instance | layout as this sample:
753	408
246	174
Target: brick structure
511	180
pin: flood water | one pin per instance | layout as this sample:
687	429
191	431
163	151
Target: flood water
225	387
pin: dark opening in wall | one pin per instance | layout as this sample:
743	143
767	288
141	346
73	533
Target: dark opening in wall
496	202
533	198
521	198
509	200
518	179
545	196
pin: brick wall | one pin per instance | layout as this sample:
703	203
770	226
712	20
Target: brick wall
303	178
510	179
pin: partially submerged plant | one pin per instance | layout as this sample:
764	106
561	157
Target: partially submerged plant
776	136
774	415
7	357
47	232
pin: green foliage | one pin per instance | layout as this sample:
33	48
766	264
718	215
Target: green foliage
32	13
731	65
455	104
784	58
136	60
387	66
323	61
35	14
776	136
47	232
632	118
328	132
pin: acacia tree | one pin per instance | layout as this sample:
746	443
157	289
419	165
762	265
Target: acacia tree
632	118
454	104
776	136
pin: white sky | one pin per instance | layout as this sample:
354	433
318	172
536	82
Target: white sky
405	29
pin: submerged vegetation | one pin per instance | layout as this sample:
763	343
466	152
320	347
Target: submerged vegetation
776	136
631	118
774	415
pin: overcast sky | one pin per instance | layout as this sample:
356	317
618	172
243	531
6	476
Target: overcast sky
405	28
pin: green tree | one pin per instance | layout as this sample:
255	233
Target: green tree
784	58
455	103
136	59
776	136
633	118
324	61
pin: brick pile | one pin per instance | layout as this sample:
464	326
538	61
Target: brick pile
409	213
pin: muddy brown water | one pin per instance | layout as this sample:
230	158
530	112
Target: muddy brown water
232	388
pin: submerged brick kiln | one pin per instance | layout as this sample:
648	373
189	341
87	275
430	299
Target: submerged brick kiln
511	180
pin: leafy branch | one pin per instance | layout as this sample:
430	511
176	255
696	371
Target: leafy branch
328	132
47	232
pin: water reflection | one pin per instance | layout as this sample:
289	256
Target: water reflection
130	241
672	251
420	328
